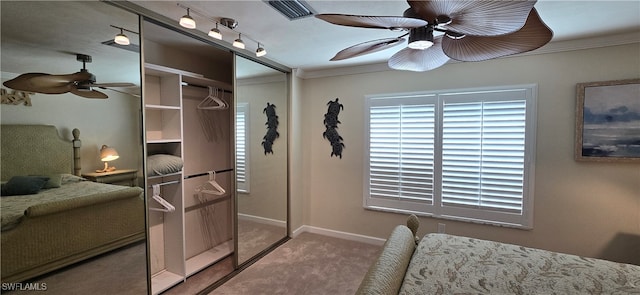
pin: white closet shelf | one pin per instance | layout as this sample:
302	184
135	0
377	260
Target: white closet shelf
208	257
164	280
161	107
165	140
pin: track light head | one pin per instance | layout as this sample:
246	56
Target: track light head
238	42
121	38
260	51
187	21
215	33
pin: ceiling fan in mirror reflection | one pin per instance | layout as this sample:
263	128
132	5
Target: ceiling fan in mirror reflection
80	83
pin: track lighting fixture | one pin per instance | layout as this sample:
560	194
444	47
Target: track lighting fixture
121	38
260	51
238	42
226	23
215	33
187	21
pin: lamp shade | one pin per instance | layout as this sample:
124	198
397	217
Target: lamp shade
122	39
187	21
215	33
108	154
261	52
238	43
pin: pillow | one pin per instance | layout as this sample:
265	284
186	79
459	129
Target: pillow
24	185
162	164
55	180
70	178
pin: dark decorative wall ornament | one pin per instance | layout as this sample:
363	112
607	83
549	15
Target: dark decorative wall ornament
331	124
272	128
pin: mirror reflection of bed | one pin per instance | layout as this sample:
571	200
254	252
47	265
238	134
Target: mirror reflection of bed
96	240
52	217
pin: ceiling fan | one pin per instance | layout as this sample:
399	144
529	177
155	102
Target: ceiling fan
80	83
469	31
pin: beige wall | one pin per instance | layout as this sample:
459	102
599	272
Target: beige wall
590	209
268	189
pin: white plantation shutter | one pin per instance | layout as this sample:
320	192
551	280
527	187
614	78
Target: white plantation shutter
242	145
483	155
463	155
401	152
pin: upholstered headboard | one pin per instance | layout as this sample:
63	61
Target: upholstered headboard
36	150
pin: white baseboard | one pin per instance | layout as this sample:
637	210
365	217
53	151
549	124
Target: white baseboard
338	234
262	220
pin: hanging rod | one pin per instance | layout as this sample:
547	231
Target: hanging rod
208	203
205	87
207	173
165	183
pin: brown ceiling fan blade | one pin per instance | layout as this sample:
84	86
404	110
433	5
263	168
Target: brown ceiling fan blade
123	92
23	82
116	84
478	18
533	35
38	83
367	47
86	93
57	80
419	60
378	22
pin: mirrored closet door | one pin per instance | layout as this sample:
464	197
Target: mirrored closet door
59	38
262	107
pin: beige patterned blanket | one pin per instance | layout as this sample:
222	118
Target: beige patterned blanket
13	208
446	264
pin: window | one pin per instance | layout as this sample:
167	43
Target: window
242	144
464	155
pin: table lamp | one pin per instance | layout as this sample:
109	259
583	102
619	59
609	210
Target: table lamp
107	154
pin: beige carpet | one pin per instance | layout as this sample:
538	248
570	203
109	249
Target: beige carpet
308	264
122	271
253	237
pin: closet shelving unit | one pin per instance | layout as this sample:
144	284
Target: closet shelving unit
164	124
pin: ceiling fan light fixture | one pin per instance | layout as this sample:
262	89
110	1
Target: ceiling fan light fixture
421	38
187	21
121	38
238	43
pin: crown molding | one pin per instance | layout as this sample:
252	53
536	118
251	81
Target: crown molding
552	47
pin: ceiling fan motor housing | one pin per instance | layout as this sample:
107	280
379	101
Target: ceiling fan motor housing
421	38
83	58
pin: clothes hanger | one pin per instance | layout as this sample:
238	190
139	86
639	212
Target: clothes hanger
217	189
218	103
156	196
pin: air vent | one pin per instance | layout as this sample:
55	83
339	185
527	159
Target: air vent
292	9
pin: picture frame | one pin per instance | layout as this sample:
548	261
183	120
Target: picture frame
608	121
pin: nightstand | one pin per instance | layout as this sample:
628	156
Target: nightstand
119	177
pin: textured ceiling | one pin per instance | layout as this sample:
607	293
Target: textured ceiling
35	34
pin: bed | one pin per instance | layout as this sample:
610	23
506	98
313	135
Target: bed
448	264
67	219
